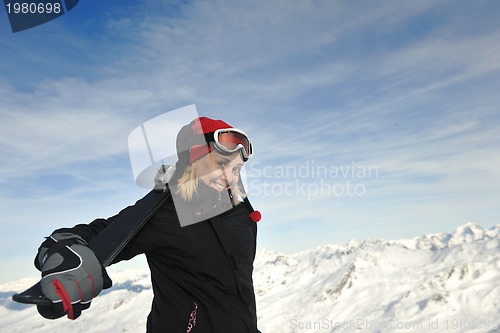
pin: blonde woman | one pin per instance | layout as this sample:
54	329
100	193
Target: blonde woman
200	245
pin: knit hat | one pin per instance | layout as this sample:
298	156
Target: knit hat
192	143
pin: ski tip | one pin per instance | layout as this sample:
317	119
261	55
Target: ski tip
32	295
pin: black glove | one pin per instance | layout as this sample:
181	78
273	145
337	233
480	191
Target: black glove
71	275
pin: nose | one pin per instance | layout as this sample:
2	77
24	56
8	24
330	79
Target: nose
227	175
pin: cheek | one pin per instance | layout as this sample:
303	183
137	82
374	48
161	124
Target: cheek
209	176
205	181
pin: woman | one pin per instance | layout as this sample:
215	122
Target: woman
200	245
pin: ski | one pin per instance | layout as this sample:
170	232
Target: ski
110	241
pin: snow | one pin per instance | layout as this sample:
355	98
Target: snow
433	283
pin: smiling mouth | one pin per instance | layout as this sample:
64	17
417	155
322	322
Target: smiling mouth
221	186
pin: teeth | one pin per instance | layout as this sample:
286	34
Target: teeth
220	186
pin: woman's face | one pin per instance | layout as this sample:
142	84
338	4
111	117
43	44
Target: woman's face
219	171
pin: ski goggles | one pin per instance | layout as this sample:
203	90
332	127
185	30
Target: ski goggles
230	140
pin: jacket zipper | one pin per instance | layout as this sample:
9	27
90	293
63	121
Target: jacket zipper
192	318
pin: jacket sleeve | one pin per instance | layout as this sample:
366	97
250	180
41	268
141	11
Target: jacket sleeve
147	239
89	231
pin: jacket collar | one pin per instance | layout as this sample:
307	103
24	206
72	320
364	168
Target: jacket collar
205	204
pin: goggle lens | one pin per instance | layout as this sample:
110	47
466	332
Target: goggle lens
231	140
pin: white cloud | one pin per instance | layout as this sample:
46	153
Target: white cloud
324	81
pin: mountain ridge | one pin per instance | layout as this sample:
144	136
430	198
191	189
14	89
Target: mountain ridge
414	282
437	282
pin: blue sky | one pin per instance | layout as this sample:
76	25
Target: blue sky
328	91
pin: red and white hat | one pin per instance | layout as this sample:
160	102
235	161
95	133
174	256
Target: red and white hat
194	140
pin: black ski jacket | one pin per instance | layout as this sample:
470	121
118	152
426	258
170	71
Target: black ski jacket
203	268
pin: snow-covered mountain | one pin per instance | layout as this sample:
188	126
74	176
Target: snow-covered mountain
434	283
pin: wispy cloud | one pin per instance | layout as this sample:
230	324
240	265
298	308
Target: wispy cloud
410	88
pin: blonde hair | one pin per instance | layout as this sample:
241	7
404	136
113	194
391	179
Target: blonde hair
187	185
